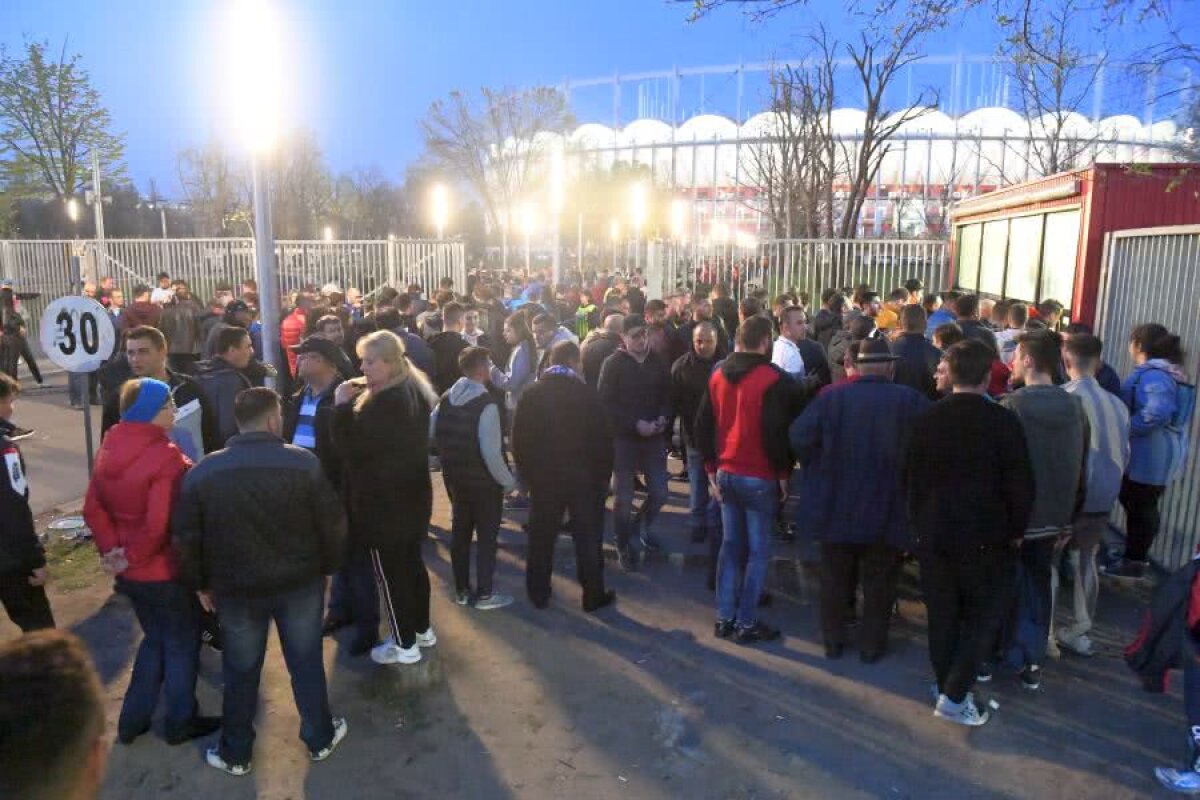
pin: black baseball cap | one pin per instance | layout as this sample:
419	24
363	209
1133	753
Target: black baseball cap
322	347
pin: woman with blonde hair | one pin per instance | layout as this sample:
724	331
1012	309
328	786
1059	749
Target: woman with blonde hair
381	430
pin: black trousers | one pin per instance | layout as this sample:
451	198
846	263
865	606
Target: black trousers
966	597
547	505
475	512
26	605
840	567
404	587
1140	501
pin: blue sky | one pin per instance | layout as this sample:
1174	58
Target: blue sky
362	72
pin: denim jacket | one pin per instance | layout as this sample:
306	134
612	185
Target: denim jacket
1157	450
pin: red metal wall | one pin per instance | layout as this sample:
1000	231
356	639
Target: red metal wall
1122	197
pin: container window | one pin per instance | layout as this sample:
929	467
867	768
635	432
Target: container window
968	256
1024	257
1059	254
992	257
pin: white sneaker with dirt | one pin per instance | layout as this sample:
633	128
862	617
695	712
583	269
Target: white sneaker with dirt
492	601
964	713
391	653
212	757
1079	645
429	638
340	728
1180	781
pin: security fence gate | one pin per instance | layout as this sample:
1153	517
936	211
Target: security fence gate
806	265
55	268
1153	275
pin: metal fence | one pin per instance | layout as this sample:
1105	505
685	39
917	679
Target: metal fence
1153	275
55	268
806	265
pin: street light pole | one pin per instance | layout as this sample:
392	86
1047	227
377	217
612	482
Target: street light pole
264	264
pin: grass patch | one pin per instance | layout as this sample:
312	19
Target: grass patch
73	565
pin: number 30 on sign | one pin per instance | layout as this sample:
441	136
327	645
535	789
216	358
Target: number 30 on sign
77	334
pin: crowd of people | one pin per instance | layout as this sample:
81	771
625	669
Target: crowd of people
989	441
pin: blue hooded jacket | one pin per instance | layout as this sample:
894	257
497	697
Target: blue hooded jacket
1157	449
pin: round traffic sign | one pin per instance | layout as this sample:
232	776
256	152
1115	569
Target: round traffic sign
77	334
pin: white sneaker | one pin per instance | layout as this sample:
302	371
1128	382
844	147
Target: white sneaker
428	638
1080	645
492	601
1178	780
340	728
964	713
391	653
212	757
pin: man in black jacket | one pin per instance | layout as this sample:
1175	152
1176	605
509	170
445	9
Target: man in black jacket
446	346
22	559
256	527
689	385
564	454
146	356
221	379
967	308
635	390
970	492
918	358
599	345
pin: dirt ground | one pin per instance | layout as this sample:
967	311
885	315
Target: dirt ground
640	701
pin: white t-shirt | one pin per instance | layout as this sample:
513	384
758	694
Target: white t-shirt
162	296
786	356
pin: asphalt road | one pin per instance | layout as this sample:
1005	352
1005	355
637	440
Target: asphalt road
56	455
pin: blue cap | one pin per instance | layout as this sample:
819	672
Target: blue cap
152	396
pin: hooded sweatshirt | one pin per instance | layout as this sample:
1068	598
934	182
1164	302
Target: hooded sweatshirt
489	432
1157	448
742	425
1057	436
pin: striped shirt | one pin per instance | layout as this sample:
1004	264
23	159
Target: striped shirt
1108	452
306	422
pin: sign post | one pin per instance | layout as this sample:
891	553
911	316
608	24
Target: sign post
77	334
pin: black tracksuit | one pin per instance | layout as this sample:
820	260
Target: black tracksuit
969	484
564	453
20	551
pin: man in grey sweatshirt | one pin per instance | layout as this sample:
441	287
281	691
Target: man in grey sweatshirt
466	427
1057	437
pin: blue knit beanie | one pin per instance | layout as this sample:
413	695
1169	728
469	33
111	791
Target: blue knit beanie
152	396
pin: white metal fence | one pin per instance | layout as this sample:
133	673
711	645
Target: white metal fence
1153	275
55	268
807	265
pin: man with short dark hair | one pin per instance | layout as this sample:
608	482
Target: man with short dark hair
1050	313
917	358
967	309
970	490
547	333
741	431
256	528
52	744
915	288
220	379
141	311
689	385
635	391
564	453
1057	435
447	345
467	428
1106	376
946	313
164	292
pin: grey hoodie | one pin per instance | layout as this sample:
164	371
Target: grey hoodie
491	439
1057	435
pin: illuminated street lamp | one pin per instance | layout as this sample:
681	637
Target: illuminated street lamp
328	234
439	208
73	210
614	233
527	223
637	210
678	219
255	58
557	201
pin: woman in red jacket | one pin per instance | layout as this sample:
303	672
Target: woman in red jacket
128	508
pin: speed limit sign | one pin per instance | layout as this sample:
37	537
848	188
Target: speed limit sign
77	334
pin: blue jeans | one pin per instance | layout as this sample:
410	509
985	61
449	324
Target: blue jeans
748	510
245	622
167	658
649	457
1028	626
705	510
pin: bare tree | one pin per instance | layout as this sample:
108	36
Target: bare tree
51	122
489	143
1054	76
301	188
216	189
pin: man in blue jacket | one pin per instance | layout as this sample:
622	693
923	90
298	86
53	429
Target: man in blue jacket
851	442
